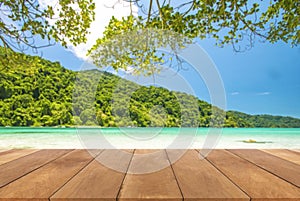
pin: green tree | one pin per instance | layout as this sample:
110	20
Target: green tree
21	21
54	103
228	21
236	22
88	116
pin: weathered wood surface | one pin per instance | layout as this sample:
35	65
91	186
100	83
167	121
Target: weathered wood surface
109	175
158	185
198	179
2	150
24	165
45	181
286	170
96	181
256	182
12	154
288	155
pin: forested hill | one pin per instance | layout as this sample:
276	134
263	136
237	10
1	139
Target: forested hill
37	92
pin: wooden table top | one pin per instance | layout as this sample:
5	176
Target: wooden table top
65	174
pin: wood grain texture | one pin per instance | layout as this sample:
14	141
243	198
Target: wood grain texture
256	182
17	168
3	150
10	155
286	154
199	180
76	175
287	170
96	181
157	184
42	183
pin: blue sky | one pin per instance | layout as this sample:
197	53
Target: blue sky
263	80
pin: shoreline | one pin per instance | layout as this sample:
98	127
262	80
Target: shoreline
149	138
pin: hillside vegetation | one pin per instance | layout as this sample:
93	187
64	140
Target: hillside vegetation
37	92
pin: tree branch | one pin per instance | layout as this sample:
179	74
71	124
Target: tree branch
149	12
160	13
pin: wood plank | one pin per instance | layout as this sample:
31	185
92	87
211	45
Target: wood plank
8	151
256	182
13	154
97	181
199	180
158	185
289	155
282	168
296	150
2	150
17	168
45	181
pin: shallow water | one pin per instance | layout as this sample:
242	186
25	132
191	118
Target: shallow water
130	138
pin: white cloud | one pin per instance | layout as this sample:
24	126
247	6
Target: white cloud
264	93
105	9
235	93
120	72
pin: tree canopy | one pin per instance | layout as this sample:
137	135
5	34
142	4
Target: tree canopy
228	21
236	22
22	22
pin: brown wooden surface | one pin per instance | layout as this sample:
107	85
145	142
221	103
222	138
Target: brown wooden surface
286	154
12	154
17	168
96	181
254	181
159	185
198	179
2	150
45	181
78	175
287	170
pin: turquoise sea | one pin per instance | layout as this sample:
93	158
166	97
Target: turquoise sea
23	137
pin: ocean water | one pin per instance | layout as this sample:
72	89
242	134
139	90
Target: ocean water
150	138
